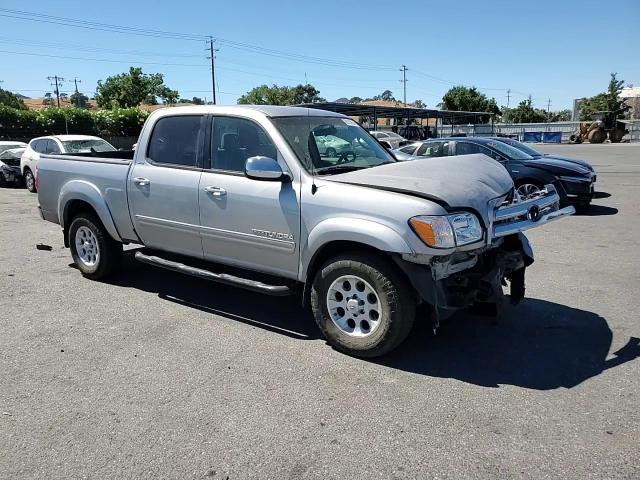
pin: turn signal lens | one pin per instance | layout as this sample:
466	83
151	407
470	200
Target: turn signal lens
436	232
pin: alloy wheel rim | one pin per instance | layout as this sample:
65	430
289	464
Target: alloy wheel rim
87	246
528	190
354	306
29	180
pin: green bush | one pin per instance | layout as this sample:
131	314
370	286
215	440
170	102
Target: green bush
56	121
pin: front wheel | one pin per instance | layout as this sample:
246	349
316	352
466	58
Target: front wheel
29	181
94	252
362	304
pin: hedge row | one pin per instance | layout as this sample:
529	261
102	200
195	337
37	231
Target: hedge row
51	121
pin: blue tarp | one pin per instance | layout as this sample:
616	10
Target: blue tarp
552	137
532	137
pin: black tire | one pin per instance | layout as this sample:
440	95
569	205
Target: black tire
330	152
3	181
397	301
109	251
30	181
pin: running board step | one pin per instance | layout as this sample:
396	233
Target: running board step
277	290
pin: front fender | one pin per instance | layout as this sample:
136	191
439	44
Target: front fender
89	193
358	230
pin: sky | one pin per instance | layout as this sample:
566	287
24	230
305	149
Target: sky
552	50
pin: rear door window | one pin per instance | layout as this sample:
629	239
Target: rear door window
175	141
52	147
39	145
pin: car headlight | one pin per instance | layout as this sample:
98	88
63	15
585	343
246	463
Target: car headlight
447	231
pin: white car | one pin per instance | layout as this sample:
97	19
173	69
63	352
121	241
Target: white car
55	144
392	139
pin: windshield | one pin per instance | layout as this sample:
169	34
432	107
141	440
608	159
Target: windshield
521	146
84	146
509	151
9	146
331	144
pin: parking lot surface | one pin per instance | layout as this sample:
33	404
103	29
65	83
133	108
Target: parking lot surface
156	375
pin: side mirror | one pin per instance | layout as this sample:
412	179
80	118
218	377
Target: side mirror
265	168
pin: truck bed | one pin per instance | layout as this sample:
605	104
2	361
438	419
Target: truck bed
96	175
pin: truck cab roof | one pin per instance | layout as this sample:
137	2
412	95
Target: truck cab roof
271	111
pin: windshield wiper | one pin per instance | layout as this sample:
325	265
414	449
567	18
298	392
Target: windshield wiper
338	169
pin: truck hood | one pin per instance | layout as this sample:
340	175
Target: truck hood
458	182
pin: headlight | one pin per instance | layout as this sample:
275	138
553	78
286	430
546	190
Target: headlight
447	231
576	179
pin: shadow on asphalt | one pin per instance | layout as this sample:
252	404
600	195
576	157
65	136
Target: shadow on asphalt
281	315
596	211
537	344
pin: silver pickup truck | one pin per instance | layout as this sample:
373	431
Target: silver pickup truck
242	196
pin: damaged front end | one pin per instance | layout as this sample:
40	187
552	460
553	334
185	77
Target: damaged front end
466	278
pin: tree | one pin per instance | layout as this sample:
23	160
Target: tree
133	88
64	96
387	96
469	100
197	101
306	94
355	100
79	100
559	116
419	104
10	99
48	99
276	95
608	101
525	113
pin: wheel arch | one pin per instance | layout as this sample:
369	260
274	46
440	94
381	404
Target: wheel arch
339	235
79	196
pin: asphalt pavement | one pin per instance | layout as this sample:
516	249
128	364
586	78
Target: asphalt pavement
156	375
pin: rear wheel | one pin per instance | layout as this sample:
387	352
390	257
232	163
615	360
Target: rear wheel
362	304
94	252
29	181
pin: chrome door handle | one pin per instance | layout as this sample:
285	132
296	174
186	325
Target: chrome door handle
142	182
216	191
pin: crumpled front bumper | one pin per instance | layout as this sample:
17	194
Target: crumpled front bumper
463	279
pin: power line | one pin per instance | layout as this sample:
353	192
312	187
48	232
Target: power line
81	23
103	59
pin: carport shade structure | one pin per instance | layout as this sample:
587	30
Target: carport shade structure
449	117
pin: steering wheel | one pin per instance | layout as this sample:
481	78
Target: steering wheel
346	157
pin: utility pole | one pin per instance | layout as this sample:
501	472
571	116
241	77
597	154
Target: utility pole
76	81
57	81
213	67
404	83
508	97
548	107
